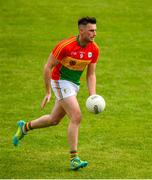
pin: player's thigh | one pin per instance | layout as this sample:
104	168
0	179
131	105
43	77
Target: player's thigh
71	107
58	112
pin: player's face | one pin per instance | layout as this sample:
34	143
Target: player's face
89	32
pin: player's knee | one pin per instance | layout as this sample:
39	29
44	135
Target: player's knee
54	123
76	118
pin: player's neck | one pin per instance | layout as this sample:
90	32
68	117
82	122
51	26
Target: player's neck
81	41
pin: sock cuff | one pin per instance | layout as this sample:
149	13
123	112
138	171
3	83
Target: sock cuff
73	151
73	154
28	126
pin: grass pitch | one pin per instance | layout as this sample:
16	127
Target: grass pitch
116	143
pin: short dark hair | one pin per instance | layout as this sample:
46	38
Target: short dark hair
86	20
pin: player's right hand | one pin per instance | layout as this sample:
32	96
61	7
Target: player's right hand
45	100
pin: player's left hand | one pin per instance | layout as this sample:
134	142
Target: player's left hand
45	100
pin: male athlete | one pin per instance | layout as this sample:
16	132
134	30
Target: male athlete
62	74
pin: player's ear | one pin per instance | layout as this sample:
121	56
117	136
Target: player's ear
81	29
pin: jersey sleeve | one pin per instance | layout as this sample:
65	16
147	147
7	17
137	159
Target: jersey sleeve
59	51
95	54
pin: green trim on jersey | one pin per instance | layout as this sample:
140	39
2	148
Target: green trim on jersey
70	75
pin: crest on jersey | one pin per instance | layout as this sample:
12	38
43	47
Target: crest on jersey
72	63
89	54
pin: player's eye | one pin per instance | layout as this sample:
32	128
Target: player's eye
92	30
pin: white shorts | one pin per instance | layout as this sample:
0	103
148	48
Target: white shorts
63	88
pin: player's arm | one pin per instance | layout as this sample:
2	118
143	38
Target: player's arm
51	62
91	78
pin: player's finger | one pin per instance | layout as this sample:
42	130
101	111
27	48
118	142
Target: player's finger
48	98
44	102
